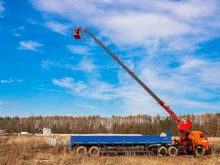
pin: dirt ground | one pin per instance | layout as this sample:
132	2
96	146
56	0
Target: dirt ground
28	150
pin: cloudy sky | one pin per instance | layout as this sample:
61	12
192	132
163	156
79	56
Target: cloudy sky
172	46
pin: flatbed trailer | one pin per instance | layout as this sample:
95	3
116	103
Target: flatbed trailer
94	145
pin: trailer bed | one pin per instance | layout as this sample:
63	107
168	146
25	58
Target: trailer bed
122	140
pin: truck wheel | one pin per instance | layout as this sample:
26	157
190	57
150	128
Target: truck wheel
81	151
94	151
162	151
172	151
200	151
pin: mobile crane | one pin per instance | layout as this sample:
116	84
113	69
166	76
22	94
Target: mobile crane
190	142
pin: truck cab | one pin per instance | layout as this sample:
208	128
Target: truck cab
200	139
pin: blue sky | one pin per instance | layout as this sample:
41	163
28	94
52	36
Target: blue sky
172	46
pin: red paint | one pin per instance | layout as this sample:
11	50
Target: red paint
146	88
76	33
116	57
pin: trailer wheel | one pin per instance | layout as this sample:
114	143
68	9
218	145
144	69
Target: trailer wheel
162	151
172	151
200	151
94	151
81	151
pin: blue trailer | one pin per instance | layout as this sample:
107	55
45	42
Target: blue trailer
119	144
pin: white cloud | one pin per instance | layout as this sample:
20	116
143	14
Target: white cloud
21	28
46	64
58	27
2	9
191	78
148	28
192	64
81	88
17	35
190	103
130	98
4	103
85	106
187	10
66	82
33	22
6	81
18	31
193	84
146	23
207	72
82	50
168	32
19	80
85	65
30	45
10	81
49	90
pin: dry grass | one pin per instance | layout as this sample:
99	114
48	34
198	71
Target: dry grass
215	143
25	150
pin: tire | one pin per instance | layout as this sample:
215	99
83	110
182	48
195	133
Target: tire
172	151
162	151
81	151
200	151
94	151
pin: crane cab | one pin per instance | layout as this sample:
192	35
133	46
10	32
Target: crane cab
76	33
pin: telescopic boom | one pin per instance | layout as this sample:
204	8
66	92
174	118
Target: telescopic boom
183	125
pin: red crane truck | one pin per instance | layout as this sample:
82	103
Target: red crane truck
189	142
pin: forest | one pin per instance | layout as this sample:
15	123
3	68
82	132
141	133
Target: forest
133	124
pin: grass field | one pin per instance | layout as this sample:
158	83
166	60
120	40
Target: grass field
26	150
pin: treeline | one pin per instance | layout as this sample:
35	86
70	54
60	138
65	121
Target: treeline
139	124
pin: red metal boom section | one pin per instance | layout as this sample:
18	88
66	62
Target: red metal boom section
183	125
